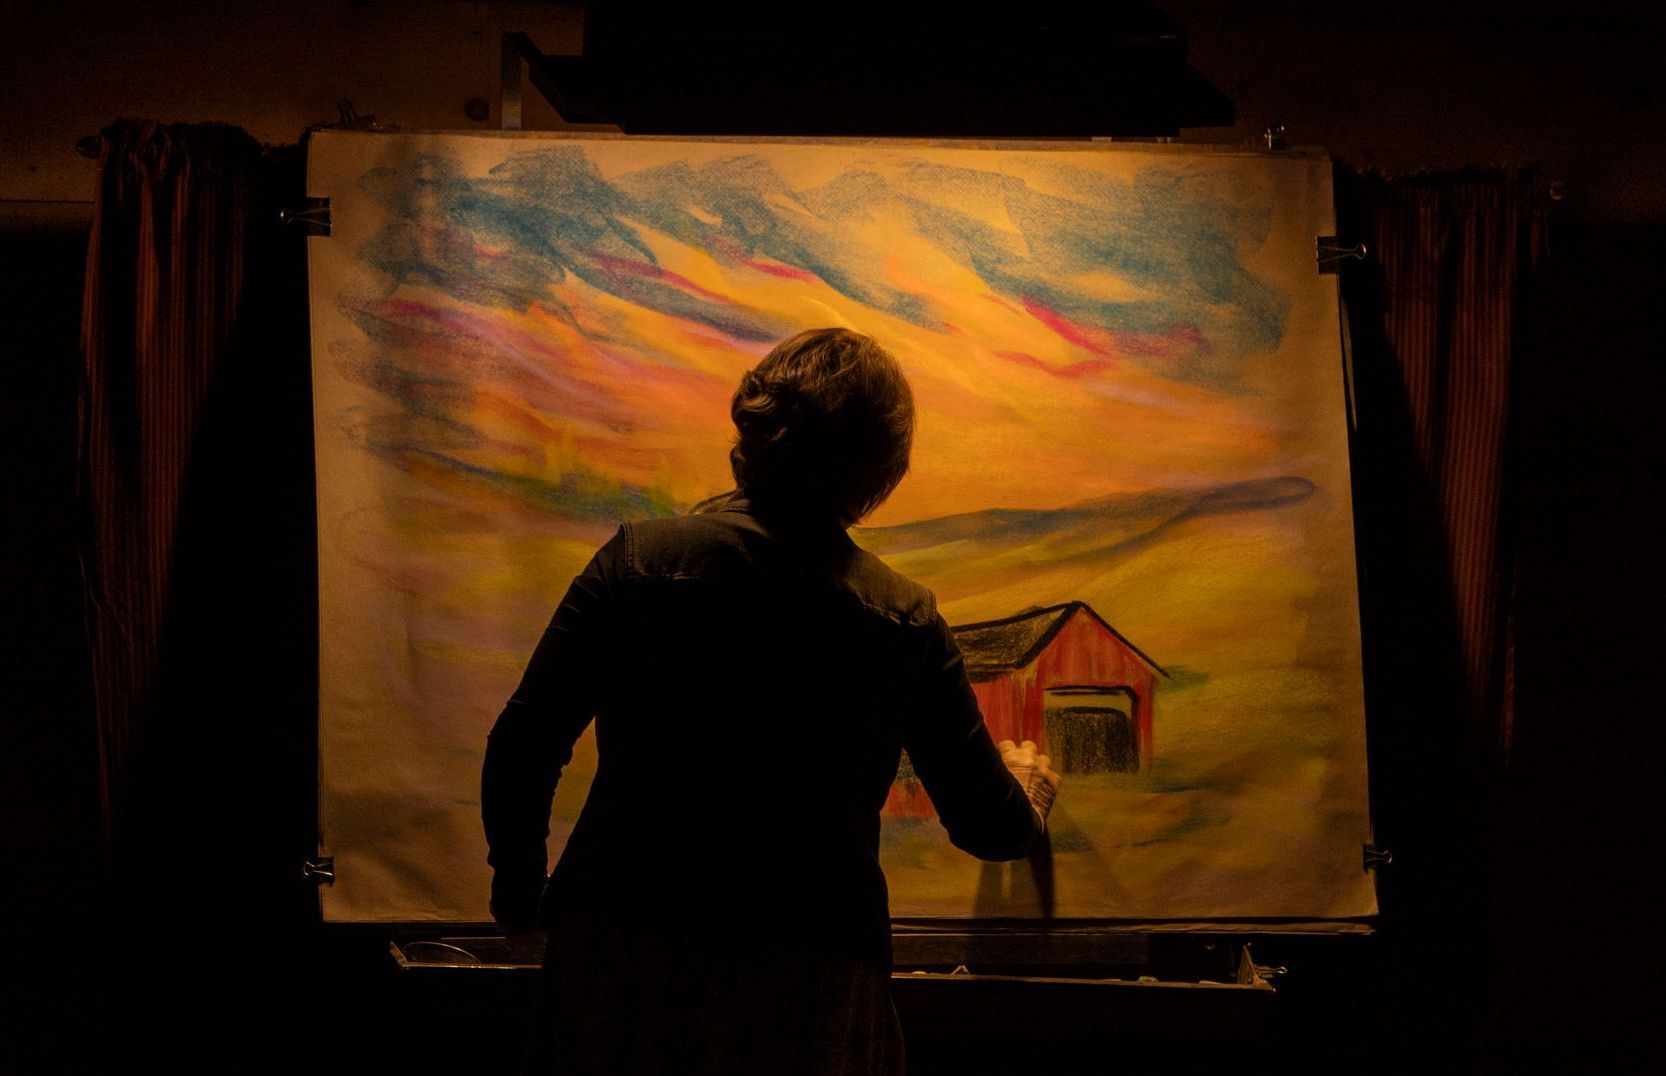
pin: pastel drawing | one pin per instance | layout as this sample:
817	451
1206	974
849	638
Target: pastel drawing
1129	490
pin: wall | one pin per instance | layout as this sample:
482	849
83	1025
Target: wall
1421	84
1416	84
270	67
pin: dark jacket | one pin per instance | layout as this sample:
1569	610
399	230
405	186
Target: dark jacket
753	684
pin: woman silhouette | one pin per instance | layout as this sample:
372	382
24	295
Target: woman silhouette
753	676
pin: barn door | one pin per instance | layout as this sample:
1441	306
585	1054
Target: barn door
1091	730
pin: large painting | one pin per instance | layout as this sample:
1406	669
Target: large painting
1130	485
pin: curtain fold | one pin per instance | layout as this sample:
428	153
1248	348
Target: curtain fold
166	269
1434	320
1436	323
197	554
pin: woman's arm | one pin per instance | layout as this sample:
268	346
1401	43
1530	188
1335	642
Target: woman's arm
984	807
534	737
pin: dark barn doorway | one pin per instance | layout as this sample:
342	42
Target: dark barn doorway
1091	729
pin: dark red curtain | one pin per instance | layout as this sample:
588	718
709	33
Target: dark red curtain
166	272
1579	875
195	498
1436	315
1455	255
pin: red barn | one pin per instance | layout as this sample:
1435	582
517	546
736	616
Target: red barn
1060	676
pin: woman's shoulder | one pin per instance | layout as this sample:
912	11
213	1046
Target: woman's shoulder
682	545
887	591
704	544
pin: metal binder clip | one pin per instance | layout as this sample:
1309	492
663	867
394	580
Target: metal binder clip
321	870
1376	858
1329	253
313	217
348	118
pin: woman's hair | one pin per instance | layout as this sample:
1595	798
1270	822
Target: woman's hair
824	424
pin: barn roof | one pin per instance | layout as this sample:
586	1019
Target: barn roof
1013	642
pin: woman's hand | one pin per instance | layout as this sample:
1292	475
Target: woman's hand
1034	773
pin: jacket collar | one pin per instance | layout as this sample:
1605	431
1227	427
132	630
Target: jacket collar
818	532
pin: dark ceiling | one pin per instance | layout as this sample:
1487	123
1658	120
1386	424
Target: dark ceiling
1063	70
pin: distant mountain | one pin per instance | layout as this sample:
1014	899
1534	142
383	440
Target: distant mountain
1110	524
